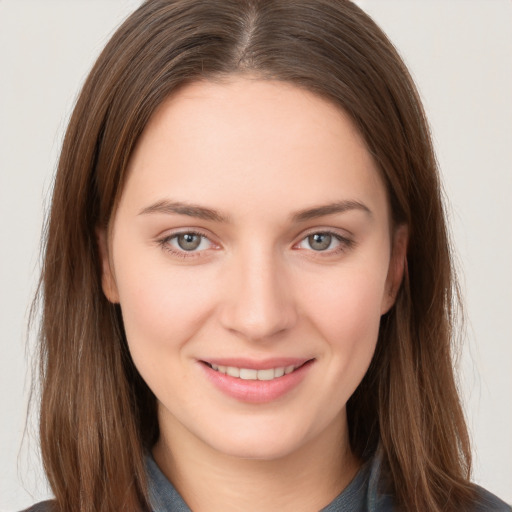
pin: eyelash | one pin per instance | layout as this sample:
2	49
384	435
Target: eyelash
165	244
344	243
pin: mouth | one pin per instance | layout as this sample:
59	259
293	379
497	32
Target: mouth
254	374
257	382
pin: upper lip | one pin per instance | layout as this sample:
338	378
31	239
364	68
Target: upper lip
261	364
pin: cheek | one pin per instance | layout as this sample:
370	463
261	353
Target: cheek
162	306
348	317
352	300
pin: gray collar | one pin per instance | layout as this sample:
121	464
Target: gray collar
361	495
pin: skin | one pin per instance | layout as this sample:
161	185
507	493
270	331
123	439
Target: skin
257	152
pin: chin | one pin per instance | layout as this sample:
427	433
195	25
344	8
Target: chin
258	450
258	444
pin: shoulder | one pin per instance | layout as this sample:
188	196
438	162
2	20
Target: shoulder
43	506
488	502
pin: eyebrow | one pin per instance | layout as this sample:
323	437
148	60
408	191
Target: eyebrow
329	209
191	210
201	212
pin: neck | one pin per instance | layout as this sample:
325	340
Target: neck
307	479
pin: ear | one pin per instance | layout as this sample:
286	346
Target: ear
397	267
108	282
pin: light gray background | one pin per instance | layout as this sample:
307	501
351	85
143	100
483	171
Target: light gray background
460	53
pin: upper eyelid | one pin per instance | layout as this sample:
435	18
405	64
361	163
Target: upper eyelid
327	229
168	234
339	234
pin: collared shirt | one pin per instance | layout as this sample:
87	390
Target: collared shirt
361	495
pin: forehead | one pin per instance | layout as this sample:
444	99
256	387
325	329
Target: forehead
250	107
246	139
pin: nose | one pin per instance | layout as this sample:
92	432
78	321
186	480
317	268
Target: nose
258	302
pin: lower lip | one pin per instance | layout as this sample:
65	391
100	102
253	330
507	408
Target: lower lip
256	391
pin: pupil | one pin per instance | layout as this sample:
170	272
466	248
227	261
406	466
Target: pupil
319	241
189	241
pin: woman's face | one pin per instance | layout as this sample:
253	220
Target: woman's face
251	254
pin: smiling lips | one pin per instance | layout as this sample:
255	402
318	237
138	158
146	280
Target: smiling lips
253	374
256	382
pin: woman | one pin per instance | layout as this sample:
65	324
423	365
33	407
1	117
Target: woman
247	286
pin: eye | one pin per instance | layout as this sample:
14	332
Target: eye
320	241
186	242
324	241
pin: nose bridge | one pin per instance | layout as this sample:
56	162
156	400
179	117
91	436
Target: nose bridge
259	302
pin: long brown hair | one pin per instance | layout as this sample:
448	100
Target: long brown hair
97	414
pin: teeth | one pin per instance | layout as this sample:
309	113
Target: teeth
251	374
233	372
266	374
248	374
